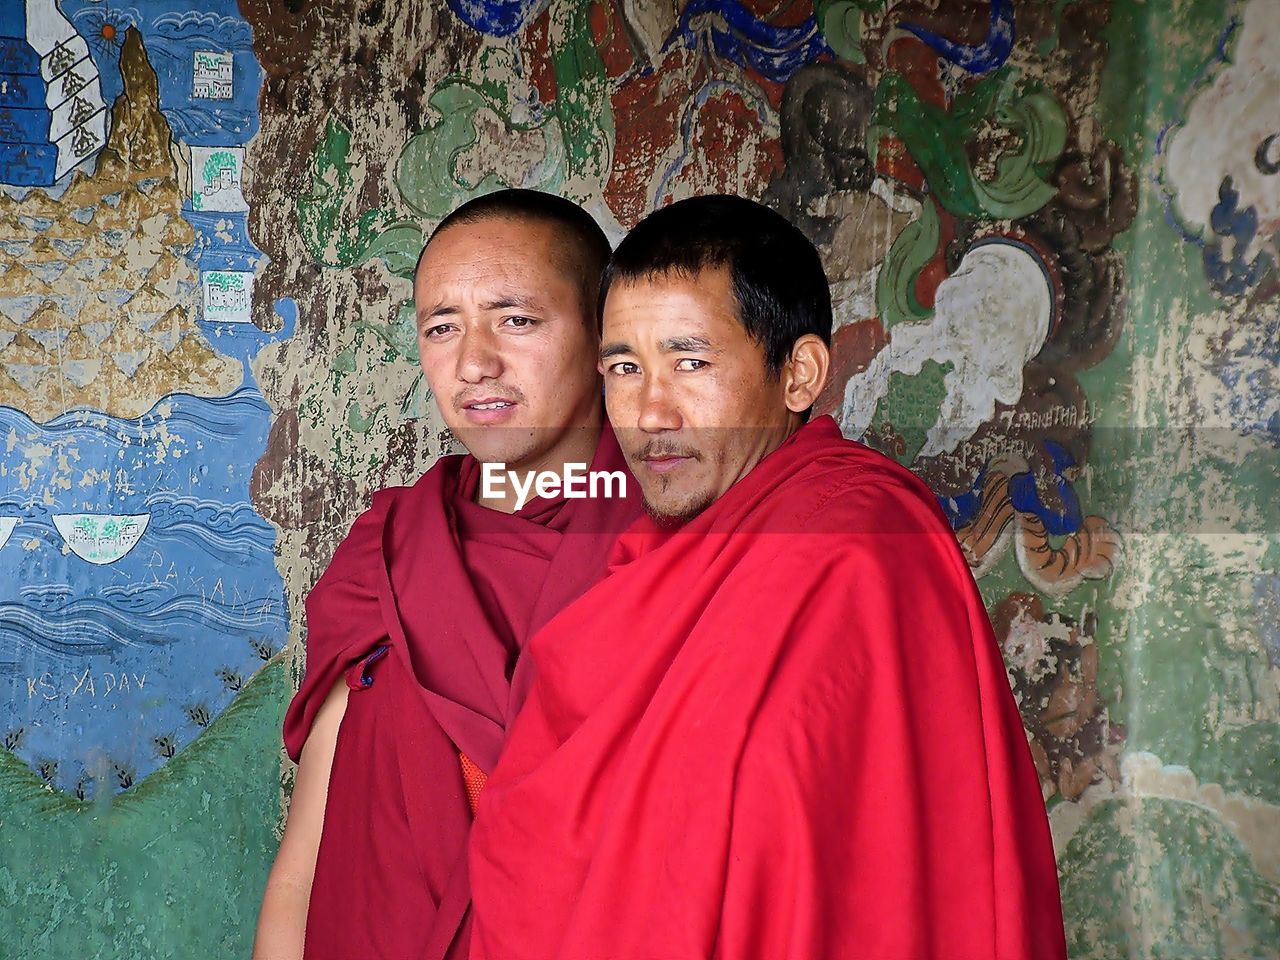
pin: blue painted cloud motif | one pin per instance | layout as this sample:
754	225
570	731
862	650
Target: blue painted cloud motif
1234	230
734	33
976	58
498	18
1062	517
1219	158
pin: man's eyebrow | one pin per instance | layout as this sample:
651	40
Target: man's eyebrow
505	301
615	350
439	310
670	345
508	300
686	345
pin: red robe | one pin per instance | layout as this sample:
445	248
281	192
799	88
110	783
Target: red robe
782	732
425	608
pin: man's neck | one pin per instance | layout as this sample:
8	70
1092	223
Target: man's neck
578	447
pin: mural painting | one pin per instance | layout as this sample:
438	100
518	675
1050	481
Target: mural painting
1051	229
147	593
139	594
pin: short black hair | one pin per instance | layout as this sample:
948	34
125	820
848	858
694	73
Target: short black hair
588	247
777	275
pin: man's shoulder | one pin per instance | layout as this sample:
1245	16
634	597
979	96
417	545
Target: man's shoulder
850	488
360	549
363	540
383	502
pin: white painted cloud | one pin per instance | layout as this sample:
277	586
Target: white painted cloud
990	317
1225	126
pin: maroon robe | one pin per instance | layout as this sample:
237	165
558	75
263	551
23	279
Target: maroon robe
425	609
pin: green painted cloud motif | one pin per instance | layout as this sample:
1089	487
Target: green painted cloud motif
574	135
577	135
427	173
937	139
335	238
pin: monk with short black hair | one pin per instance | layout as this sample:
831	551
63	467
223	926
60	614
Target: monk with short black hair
415	632
780	729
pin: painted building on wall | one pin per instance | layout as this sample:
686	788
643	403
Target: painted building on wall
1052	230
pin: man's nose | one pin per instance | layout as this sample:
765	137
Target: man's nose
658	410
478	357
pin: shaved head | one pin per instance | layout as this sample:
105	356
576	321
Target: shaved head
582	250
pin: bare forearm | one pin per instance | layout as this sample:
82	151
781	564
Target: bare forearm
282	921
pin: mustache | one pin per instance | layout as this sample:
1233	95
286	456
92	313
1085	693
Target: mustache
659	449
497	392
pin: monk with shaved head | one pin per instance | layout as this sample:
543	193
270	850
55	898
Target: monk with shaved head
415	633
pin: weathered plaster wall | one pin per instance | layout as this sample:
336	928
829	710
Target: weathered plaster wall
1051	226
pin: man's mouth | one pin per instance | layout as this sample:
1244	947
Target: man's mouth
665	464
488	410
664	461
490	405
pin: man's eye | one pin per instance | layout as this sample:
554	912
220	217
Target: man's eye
690	363
436	332
623	368
519	322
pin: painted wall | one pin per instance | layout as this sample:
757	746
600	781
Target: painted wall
1052	229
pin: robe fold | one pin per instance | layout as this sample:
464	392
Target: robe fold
424	611
781	732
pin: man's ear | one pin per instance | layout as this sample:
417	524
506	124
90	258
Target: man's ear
805	373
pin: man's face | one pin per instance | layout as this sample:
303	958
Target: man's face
687	389
505	342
